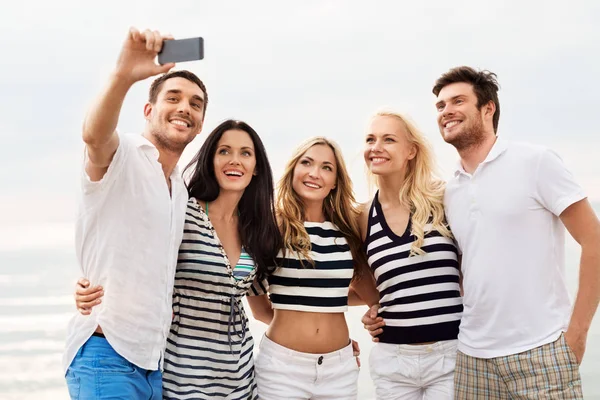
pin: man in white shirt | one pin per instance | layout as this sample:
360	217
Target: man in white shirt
130	226
508	205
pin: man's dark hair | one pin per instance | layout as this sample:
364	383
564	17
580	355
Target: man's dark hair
257	225
190	76
484	85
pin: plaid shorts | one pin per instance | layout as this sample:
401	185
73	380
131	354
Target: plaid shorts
546	372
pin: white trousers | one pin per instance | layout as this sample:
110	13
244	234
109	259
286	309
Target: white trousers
282	373
410	372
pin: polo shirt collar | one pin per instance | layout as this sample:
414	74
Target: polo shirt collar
499	147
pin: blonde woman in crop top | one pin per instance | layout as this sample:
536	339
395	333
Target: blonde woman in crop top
306	352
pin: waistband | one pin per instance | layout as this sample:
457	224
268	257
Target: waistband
283	353
443	346
96	343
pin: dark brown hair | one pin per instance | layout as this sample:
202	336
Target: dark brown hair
190	76
484	85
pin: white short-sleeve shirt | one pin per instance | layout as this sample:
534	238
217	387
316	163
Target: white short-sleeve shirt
128	233
505	218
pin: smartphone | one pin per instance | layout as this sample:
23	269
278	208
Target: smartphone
181	50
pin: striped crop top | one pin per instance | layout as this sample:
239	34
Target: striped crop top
420	294
322	288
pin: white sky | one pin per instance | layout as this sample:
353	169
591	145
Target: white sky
291	69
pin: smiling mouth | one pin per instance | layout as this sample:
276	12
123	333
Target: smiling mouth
233	173
451	124
311	185
378	160
181	123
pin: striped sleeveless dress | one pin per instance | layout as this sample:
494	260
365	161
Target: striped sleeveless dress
209	348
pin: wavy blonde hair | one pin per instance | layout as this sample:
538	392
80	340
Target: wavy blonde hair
422	191
339	206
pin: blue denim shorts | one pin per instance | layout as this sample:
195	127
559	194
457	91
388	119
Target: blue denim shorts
99	372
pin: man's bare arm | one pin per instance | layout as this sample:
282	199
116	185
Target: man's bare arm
99	128
135	63
582	223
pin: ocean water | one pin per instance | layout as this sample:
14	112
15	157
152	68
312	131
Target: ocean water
36	303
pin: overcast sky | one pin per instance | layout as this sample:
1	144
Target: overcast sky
291	70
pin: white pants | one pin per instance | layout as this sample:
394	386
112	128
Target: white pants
282	373
413	371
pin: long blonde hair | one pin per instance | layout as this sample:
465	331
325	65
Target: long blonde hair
422	191
339	206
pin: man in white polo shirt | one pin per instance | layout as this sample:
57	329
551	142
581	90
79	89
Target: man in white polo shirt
508	205
130	226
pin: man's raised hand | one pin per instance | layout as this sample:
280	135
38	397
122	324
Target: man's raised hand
138	54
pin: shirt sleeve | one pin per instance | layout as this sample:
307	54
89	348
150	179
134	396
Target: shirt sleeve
258	288
556	188
114	169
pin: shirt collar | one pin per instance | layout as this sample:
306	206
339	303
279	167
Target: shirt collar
141	142
497	149
175	175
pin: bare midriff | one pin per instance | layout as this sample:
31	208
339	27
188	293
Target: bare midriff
309	332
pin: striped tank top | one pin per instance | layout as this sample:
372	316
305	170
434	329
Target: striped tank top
420	294
322	288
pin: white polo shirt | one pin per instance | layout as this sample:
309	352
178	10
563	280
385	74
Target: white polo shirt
505	218
128	234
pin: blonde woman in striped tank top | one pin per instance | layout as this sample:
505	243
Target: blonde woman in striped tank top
415	261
